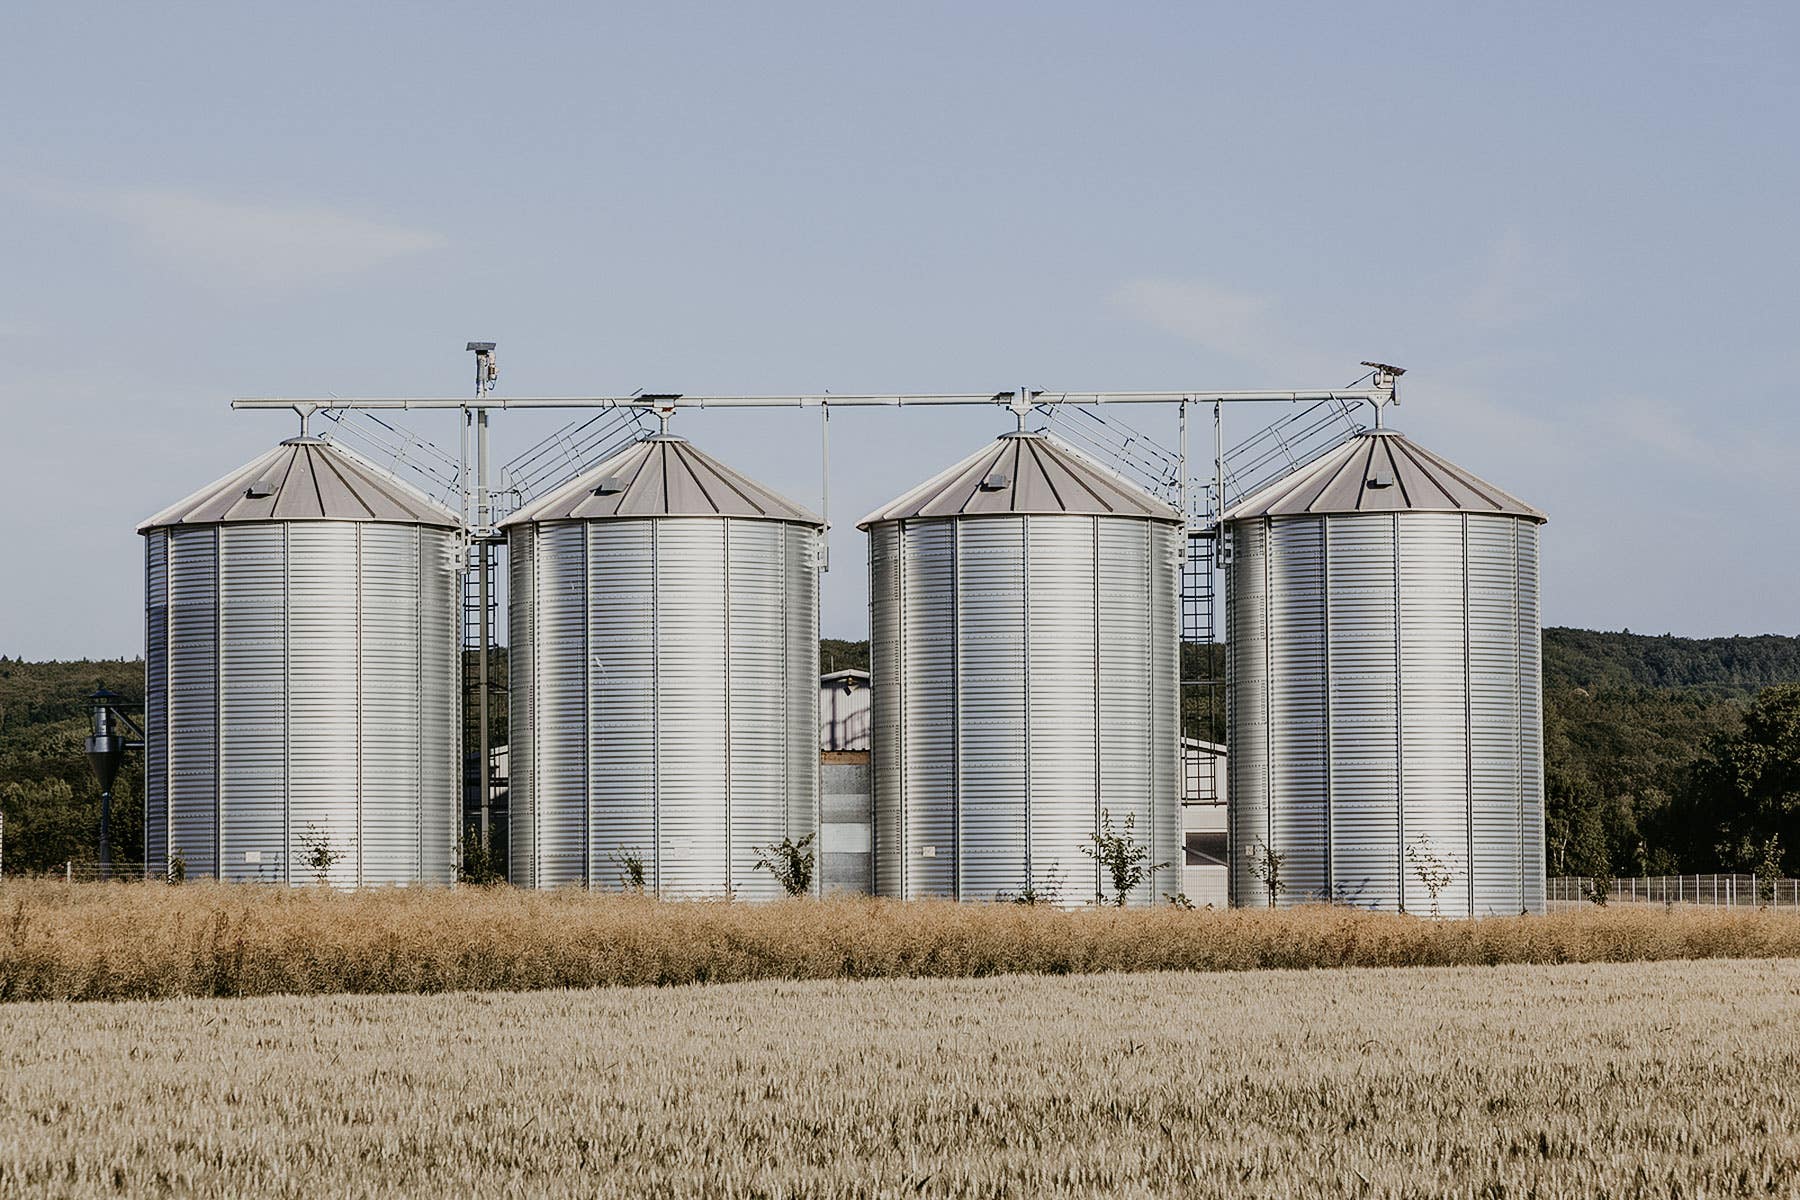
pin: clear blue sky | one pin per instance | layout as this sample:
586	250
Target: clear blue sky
1575	224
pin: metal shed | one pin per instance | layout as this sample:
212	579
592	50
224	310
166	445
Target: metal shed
664	618
301	674
1386	723
1024	621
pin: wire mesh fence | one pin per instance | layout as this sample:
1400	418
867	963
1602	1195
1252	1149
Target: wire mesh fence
1745	891
86	871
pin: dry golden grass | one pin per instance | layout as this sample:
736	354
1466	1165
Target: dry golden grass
124	941
1670	1079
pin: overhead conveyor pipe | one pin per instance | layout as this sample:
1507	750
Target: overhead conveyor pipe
1001	399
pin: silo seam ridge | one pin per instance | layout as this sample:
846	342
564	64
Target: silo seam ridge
1325	640
725	621
1268	696
1468	724
1098	759
287	705
1025	630
1399	713
218	649
362	731
956	755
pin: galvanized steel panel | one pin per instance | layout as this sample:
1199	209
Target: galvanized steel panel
156	702
999	645
1364	697
521	677
389	697
253	722
1434	766
439	749
621	687
670	734
193	720
1127	583
800	768
1298	756
1496	765
693	723
929	763
324	699
887	706
560	717
1064	717
1531	720
967	686
1420	630
312	692
1168	547
1247	700
755	656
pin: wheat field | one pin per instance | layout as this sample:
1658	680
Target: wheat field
1664	1079
136	941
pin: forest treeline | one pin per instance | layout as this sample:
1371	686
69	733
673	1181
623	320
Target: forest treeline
1662	754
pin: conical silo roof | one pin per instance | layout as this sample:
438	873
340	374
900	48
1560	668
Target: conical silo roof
1024	473
662	476
306	479
1380	471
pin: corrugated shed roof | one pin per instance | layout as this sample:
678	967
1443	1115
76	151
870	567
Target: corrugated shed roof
306	479
1024	473
1380	471
662	476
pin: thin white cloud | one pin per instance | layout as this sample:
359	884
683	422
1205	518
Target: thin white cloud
1665	431
1219	318
238	245
1248	326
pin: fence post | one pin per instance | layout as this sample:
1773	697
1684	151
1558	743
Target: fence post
69	871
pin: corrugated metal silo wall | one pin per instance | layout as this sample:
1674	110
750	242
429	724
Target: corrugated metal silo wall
1024	680
666	702
521	676
156	702
301	682
886	707
1385	713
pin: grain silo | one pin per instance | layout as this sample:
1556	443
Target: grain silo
301	675
664	675
1024	620
1386	724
